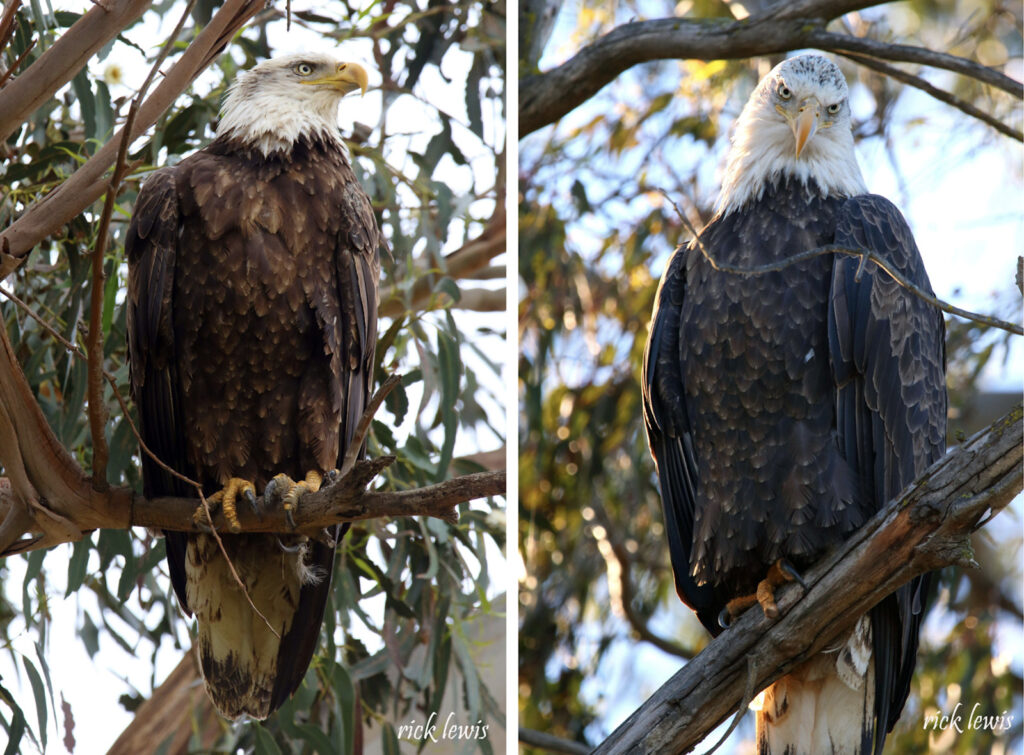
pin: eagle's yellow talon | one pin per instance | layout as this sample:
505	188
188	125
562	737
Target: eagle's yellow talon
225	498
779	574
294	491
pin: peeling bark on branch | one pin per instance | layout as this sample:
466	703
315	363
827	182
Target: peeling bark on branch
926	528
546	97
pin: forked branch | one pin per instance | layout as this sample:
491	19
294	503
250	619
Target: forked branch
47	499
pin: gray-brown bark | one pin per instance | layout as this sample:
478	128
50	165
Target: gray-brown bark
926	528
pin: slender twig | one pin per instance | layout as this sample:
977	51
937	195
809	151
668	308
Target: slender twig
94	344
356	444
841	43
7	23
17	63
619	566
940	94
220	544
75	350
865	257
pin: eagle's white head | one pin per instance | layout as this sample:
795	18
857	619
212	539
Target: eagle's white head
275	102
796	123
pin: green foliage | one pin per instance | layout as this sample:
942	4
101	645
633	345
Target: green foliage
595	234
430	183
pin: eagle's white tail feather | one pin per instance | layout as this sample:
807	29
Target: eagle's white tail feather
824	705
233	639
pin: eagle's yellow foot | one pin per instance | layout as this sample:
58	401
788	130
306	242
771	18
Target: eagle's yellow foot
779	574
225	499
289	491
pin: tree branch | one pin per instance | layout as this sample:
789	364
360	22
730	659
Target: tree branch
833	42
46	493
618	565
66	57
346	500
546	97
86	184
177	710
551	743
926	528
940	94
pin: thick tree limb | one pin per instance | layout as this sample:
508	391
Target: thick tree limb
86	184
65	58
546	97
926	528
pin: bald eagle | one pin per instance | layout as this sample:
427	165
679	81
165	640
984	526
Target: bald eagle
252	321
783	410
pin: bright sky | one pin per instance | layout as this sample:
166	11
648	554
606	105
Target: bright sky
92	686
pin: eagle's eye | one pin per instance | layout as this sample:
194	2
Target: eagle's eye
833	108
303	69
784	92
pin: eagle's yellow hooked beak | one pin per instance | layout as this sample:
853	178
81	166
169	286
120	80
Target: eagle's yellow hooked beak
806	123
346	78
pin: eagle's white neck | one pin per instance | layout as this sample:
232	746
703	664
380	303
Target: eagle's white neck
270	119
763	152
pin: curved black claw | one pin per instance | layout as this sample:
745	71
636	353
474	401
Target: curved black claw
272	494
790	571
289	548
724	619
331	477
250	497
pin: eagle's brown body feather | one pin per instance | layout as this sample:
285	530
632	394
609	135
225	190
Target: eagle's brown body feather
252	311
785	409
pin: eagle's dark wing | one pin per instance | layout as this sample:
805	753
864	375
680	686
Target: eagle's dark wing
351	341
151	245
669	436
887	351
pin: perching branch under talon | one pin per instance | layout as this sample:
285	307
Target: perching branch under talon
342	502
347	500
